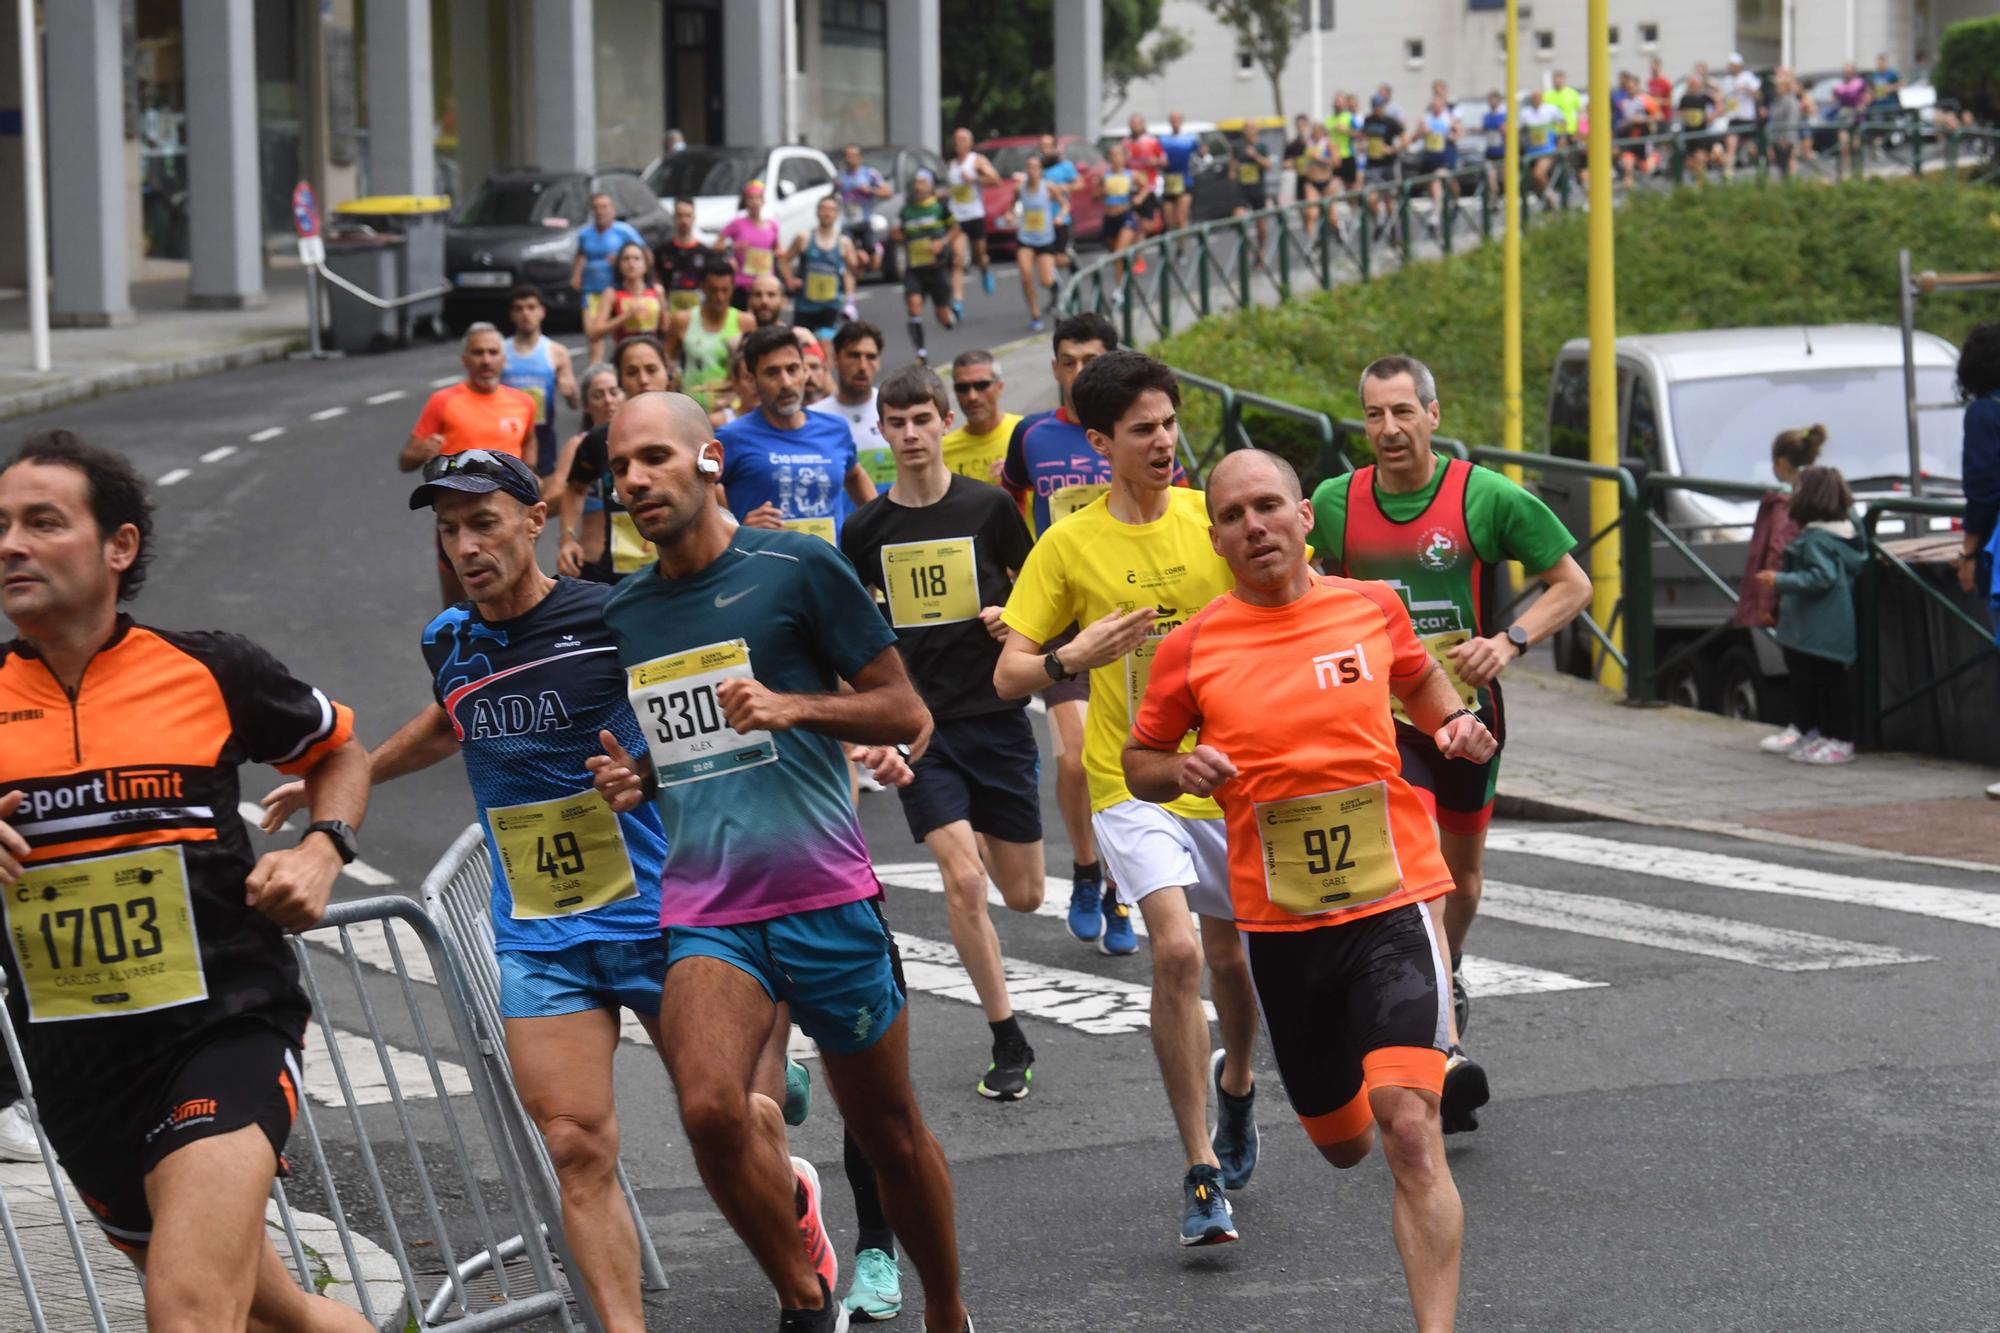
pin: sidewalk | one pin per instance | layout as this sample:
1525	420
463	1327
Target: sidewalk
166	341
1574	751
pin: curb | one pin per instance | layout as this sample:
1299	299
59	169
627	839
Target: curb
145	375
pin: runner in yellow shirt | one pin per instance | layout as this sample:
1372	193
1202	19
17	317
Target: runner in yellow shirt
1128	567
979	447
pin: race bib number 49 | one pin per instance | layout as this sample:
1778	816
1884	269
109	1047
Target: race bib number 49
105	937
1328	853
674	698
562	856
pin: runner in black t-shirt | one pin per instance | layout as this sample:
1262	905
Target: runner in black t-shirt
1382	138
941	550
683	260
1696	113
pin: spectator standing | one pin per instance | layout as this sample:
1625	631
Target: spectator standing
1979	386
1816	622
1756	604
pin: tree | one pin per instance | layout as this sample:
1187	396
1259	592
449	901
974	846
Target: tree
998	60
1968	67
1265	31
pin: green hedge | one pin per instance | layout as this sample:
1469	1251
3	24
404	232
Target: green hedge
1804	253
1968	67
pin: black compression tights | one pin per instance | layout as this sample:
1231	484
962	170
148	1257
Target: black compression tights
874	1227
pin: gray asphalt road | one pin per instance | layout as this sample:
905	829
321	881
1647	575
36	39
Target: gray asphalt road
1737	1087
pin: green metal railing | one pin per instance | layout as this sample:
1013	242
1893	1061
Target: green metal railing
1868	605
1218	267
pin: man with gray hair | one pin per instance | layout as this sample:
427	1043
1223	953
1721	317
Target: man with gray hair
478	413
1437	530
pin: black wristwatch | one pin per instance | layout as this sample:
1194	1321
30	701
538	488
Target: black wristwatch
340	834
1455	715
1052	664
1519	638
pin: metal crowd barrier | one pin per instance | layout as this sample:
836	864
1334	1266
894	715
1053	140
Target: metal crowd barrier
458	896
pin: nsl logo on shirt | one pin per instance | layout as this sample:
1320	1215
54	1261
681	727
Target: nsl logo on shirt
1342	667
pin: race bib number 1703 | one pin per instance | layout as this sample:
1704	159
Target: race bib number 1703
105	937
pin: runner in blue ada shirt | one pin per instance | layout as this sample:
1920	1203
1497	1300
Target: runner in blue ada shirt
737	644
782	466
525	676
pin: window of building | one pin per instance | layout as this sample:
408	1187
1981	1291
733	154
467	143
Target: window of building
1649	36
852	73
1245	65
1413	52
1545	43
628	81
1613	33
1324	16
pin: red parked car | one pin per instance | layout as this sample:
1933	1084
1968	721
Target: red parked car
1009	157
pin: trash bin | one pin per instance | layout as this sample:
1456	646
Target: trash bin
421	220
370	262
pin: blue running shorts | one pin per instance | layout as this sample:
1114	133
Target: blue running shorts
590	974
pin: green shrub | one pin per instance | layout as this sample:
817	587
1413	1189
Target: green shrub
1799	253
1968	67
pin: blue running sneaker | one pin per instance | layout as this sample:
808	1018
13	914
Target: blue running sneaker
798	1092
958	310
1035	326
986	280
1235	1136
1119	937
1086	909
1205	1211
877	1293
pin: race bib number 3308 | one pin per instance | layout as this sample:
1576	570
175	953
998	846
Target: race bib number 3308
105	937
675	700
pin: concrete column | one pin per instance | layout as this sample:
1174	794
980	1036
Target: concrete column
753	73
565	101
86	131
400	138
1079	66
225	239
913	68
479	71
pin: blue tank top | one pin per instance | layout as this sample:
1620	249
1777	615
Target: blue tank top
823	268
533	373
1038	216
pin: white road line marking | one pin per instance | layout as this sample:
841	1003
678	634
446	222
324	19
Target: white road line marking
216	455
1965	906
1036	704
1489	976
371	949
360	870
253	815
268	433
327	414
174	478
445	381
376	400
1683	932
367	1077
1100	1006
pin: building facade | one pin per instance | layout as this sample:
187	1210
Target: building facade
1408	44
177	129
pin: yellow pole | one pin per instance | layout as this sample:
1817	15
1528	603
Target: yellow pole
1510	249
1605	563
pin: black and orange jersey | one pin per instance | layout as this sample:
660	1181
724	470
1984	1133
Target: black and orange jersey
130	917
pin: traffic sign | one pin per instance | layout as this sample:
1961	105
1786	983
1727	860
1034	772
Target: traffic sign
312	250
305	210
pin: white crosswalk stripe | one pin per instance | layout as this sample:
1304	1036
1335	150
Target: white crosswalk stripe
1966	906
1100	1006
367	1077
1682	932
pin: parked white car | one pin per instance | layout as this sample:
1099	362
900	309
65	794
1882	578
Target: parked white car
795	180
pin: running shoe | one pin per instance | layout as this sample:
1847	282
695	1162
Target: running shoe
1012	1070
1786	741
877	1293
812	1229
986	280
958	310
1235	1137
798	1092
1034	326
1205	1212
1086	909
17	1135
1825	750
830	1317
1119	938
1465	1091
1461	1002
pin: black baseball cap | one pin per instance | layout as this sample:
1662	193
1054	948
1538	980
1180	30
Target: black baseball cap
477	472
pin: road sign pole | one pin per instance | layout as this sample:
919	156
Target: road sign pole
1606	565
1510	251
33	198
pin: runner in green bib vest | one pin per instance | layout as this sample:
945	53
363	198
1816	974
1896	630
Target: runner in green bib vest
1437	529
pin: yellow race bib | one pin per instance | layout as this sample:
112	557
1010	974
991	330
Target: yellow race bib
821	528
1439	646
683	300
1434	142
1249	173
563	856
923	252
822	288
1072	498
630	551
1328	853
105	937
756	260
1176	184
1035	222
962	193
930	583
675	700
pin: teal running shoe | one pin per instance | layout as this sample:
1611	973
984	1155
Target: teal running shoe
877	1293
798	1092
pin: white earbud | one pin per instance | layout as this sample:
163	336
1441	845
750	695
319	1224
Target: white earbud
708	467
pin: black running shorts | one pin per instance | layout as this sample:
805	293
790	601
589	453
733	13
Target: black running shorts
974	228
932	282
984	769
1350	1007
244	1072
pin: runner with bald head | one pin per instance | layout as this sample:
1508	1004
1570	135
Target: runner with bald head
737	645
767	300
1286	683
